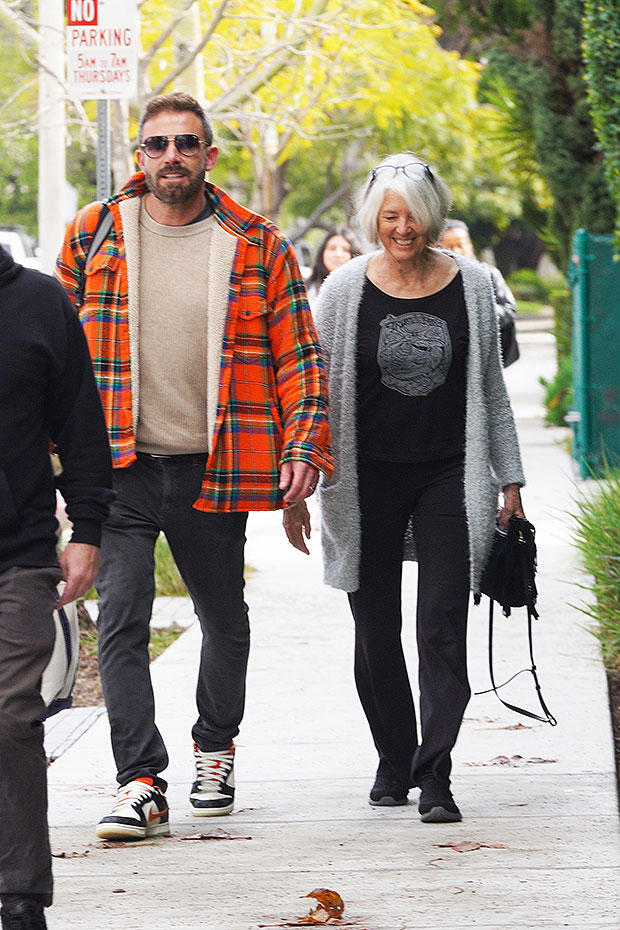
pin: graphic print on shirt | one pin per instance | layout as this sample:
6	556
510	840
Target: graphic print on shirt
415	353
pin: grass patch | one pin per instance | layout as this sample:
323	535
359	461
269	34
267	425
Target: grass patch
168	581
532	308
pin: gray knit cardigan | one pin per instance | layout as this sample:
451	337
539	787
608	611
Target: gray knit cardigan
492	458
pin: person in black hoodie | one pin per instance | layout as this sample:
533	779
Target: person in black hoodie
47	393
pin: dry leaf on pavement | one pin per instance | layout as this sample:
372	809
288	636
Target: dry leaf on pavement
329	900
469	846
217	834
327	913
515	761
71	855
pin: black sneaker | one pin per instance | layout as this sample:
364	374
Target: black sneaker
140	810
213	792
23	914
388	790
436	804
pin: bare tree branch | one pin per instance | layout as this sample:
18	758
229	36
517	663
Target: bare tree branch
348	172
255	77
191	55
148	57
22	28
328	201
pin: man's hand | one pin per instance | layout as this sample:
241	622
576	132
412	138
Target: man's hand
296	523
299	480
79	563
512	505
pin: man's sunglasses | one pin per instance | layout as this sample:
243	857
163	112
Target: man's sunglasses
186	143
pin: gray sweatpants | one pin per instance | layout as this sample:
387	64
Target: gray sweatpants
27	598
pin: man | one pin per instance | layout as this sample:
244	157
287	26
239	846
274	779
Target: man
456	238
47	391
213	389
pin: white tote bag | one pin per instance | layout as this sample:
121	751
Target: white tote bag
60	673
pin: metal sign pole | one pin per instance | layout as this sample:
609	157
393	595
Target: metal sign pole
104	173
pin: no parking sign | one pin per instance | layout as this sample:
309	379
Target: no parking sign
102	49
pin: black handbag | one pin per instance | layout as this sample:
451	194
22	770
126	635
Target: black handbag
508	340
510	579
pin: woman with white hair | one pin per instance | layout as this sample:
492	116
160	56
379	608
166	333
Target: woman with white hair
423	440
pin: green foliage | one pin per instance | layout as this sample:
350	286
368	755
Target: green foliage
601	26
526	284
562	302
597	537
531	308
534	50
559	393
18	144
168	581
160	639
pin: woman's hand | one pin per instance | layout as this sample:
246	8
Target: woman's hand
512	505
296	523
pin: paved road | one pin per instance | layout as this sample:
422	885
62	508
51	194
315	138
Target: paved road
539	802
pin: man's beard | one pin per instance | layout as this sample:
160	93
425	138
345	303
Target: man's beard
175	194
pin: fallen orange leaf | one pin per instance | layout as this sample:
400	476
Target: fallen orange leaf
330	900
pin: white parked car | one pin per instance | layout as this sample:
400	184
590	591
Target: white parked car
19	245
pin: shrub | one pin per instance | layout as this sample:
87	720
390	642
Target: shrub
597	537
561	300
559	393
526	284
601	45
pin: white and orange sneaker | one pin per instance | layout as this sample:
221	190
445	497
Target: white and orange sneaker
213	792
140	810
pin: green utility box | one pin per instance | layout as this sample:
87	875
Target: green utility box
595	418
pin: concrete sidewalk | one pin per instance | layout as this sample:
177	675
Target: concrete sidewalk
541	802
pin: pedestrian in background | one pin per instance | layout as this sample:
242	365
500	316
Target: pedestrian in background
456	238
214	392
47	392
337	248
423	439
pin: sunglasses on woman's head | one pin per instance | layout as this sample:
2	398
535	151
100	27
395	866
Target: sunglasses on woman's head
414	170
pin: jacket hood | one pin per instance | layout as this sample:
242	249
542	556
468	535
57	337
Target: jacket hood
9	268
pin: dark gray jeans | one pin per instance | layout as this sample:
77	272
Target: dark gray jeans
156	494
27	598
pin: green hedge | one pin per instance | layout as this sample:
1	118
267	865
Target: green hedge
526	284
601	46
597	537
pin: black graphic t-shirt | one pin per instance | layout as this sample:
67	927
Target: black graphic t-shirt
412	355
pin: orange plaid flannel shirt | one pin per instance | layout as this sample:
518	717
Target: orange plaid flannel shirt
272	404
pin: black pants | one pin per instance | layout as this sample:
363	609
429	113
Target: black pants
431	493
27	634
156	494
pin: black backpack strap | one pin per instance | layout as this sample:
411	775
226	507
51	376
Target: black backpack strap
104	225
